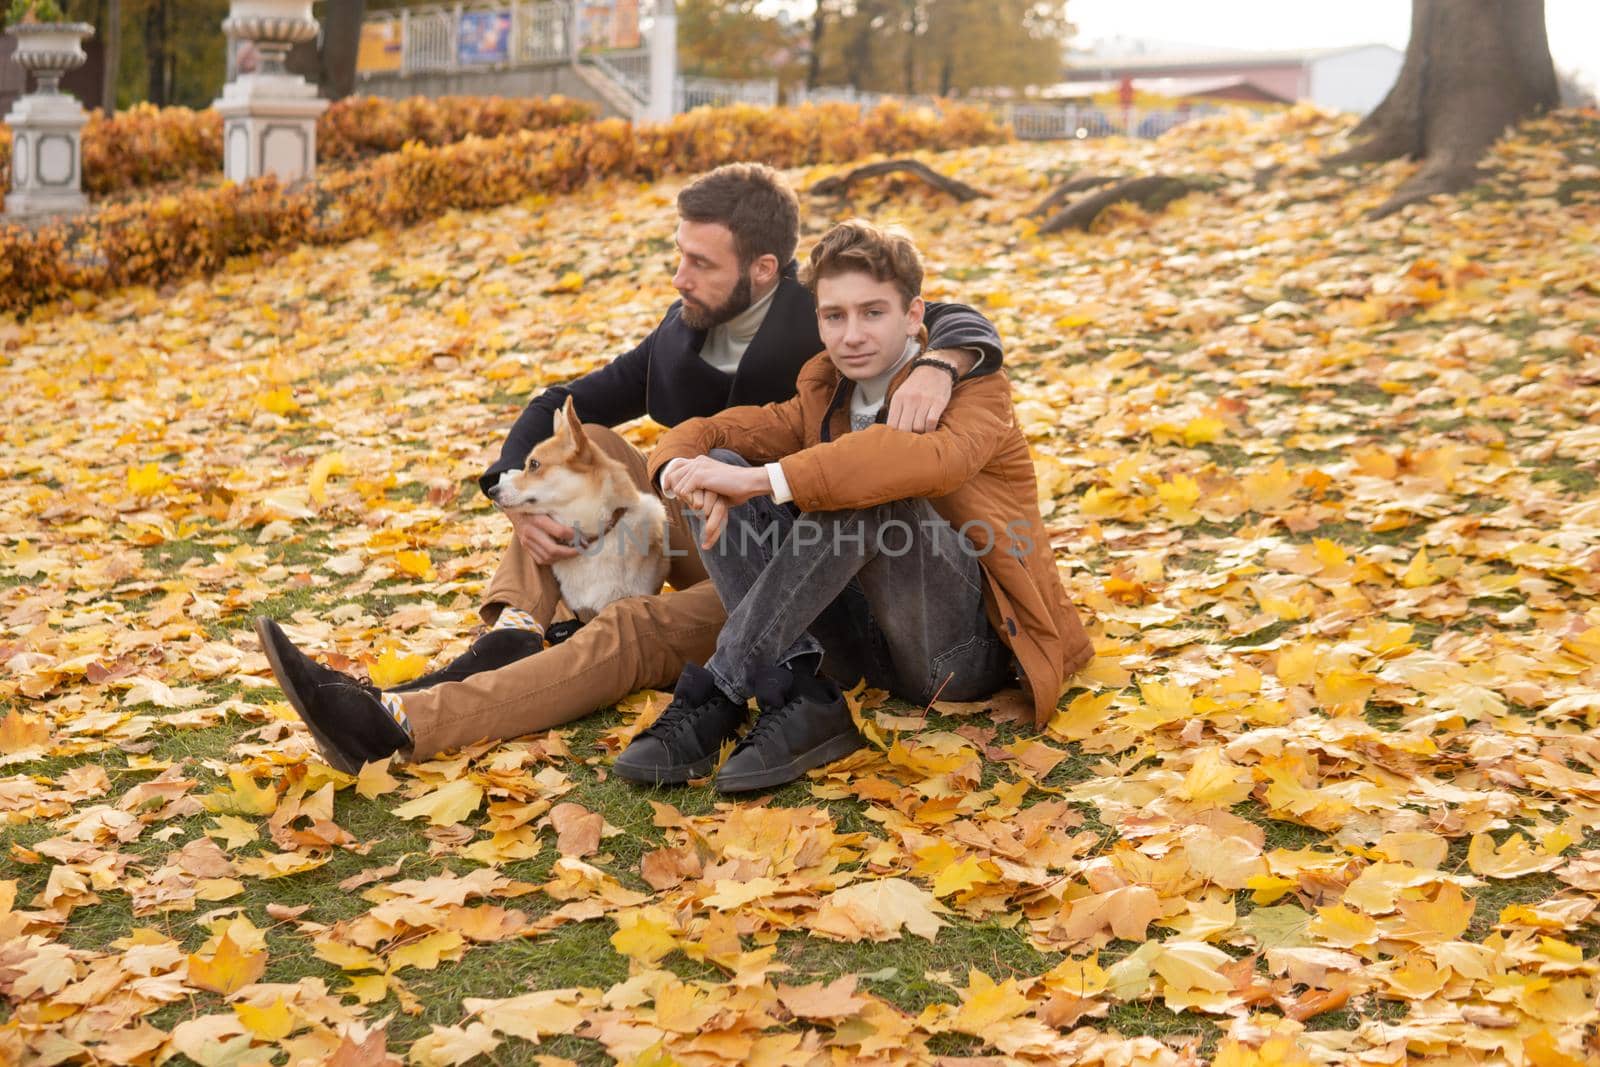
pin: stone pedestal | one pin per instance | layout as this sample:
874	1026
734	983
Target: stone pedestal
269	116
46	156
47	124
269	126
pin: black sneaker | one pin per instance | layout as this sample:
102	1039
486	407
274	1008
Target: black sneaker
804	723
490	652
685	741
345	717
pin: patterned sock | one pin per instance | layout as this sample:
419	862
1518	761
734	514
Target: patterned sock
397	712
516	619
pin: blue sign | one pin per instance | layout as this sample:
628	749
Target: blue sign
484	37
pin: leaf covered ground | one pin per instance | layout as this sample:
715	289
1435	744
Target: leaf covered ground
1324	488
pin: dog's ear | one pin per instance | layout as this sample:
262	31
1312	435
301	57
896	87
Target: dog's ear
574	426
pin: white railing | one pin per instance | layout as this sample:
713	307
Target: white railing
717	92
629	69
1047	122
542	33
1031	122
429	39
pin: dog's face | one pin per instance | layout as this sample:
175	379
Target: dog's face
562	469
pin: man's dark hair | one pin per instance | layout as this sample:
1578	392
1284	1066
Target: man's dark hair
754	202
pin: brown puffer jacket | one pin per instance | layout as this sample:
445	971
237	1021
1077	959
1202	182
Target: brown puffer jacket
974	468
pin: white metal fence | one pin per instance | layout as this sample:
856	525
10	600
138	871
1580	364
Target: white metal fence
1031	121
715	92
431	38
542	32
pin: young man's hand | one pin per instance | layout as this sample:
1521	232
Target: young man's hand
921	399
545	539
714	509
733	484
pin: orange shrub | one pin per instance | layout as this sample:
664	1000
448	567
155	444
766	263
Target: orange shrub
160	239
146	145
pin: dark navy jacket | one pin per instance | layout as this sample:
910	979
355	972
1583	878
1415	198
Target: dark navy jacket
665	377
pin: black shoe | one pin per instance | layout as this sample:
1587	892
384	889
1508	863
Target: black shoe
685	741
490	652
346	718
804	723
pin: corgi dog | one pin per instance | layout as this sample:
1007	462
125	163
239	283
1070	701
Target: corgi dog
621	530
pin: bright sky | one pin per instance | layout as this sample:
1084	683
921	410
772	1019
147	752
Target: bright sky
1573	25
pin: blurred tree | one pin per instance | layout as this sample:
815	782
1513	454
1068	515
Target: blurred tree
732	39
1473	68
937	46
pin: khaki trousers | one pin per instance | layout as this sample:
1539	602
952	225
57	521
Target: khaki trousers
635	643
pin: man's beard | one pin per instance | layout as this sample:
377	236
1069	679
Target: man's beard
699	317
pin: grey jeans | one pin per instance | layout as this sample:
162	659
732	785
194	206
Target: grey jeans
890	593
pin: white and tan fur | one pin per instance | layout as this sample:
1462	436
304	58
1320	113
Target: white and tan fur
622	531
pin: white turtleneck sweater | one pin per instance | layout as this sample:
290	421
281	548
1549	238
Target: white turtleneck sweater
725	345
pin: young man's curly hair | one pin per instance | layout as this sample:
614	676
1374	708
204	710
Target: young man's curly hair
858	246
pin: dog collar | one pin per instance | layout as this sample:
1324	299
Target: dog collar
580	542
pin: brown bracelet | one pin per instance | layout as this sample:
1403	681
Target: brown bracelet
929	361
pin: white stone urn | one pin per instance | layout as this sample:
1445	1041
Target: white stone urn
269	116
47	124
50	49
275	26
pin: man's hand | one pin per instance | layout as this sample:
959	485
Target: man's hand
734	485
921	399
545	539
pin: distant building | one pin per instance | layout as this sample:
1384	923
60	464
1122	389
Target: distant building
1355	78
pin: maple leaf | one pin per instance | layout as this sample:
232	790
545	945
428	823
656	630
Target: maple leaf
228	970
445	806
1278	1050
878	911
1125	911
960	877
447	1046
1214	780
244	798
532	1016
645	935
233	831
986	1004
271	1023
393	667
20	733
835	1000
374	779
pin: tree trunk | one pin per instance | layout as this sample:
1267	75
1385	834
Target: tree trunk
113	41
341	44
913	42
155	53
1472	69
819	23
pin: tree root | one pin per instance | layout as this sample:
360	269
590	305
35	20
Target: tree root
839	185
1393	144
1151	193
1059	194
1428	183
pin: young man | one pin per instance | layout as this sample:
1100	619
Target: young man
739	334
841	544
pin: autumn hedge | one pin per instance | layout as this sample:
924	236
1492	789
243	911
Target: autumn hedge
159	240
147	145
